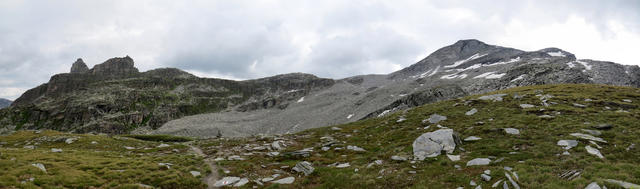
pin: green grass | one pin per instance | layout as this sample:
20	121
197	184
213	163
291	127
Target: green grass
94	161
536	161
160	138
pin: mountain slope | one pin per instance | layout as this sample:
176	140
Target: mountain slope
466	67
361	154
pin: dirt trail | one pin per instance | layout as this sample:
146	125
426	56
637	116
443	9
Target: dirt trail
213	176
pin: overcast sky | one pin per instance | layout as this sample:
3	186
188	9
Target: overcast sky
237	39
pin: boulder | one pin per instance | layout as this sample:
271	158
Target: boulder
431	144
594	151
226	181
485	177
623	184
567	144
512	131
435	118
494	97
288	180
304	167
277	145
453	157
471	112
593	185
241	182
588	137
56	150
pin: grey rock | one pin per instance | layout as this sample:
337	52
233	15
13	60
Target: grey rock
343	165
30	147
594	151
579	105
592	132
485	177
226	181
235	158
163	145
627	100
496	184
40	166
298	154
479	161
588	137
70	140
494	97
453	157
513	183
593	185
399	158
512	131
623	184
195	173
241	182
304	167
277	145
526	106
472	138
56	150
288	180
567	144
471	112
435	118
355	148
431	144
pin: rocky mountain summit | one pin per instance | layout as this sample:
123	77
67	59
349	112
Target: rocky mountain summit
114	97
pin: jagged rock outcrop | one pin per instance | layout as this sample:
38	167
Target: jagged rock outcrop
115	67
79	67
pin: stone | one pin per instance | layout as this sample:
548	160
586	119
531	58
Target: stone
593	185
431	144
343	165
226	181
513	183
472	138
592	132
288	180
163	145
40	166
336	128
56	150
471	112
485	177
479	161
241	182
195	173
401	119
496	184
488	172
623	184
524	106
325	148
129	148
29	147
167	165
273	154
494	97
594	151
70	140
277	145
435	118
579	105
603	126
588	137
472	183
79	67
567	144
512	131
355	148
304	167
235	158
94	142
453	157
298	154
627	100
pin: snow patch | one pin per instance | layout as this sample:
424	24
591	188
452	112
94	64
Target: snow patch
559	53
402	95
349	116
490	75
518	78
585	64
571	65
476	66
294	90
459	62
454	76
301	100
434	71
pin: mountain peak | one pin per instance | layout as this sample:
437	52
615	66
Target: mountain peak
79	67
116	67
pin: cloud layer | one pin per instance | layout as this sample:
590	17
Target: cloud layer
245	39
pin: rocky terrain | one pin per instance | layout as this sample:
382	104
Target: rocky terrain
543	136
5	103
114	97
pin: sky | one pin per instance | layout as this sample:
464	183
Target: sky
247	39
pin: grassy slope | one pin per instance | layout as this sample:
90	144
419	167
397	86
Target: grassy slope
106	164
536	161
